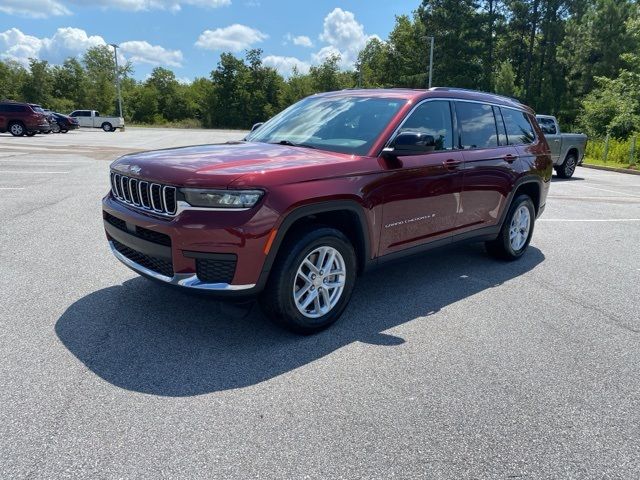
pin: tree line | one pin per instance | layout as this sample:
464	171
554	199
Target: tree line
577	59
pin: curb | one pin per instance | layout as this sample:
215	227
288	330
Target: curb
611	169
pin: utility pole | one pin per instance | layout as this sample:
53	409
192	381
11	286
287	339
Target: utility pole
115	56
430	61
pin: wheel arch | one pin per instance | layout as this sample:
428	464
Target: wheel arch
572	150
345	215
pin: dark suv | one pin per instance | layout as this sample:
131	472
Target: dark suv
332	186
22	119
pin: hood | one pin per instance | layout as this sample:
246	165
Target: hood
219	165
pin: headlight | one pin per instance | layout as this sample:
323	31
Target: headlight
198	197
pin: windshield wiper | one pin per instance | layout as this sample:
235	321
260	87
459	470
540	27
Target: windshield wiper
292	144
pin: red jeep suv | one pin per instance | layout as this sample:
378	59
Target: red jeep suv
22	118
332	186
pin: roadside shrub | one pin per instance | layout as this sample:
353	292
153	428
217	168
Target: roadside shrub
619	150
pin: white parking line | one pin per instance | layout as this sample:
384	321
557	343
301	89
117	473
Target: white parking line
610	191
32	171
11	188
589	220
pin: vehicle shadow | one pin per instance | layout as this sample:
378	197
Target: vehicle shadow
147	338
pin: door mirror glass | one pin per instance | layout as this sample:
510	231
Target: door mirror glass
412	143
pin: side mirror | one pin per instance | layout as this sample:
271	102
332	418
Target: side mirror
256	126
411	143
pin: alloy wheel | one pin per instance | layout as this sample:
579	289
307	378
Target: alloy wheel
319	282
519	228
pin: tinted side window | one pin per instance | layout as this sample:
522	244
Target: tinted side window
432	118
547	125
519	129
9	108
477	125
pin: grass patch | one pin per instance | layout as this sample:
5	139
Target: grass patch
601	163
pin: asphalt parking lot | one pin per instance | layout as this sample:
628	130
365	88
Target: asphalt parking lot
452	365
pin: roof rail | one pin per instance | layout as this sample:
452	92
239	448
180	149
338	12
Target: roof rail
468	90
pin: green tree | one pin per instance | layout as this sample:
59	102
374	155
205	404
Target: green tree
37	85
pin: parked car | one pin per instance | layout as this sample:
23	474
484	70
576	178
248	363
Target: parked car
65	123
567	149
92	119
331	187
21	118
38	108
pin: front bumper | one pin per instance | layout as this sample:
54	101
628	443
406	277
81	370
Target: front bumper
199	240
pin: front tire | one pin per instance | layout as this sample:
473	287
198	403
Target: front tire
311	282
567	169
516	230
17	129
106	126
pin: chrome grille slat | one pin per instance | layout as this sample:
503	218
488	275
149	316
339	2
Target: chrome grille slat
169	199
152	197
133	187
143	189
156	187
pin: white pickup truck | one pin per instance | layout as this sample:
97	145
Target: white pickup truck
567	149
92	119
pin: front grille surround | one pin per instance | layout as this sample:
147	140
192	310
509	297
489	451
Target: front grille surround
153	197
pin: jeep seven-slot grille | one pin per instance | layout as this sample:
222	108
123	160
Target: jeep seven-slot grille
216	271
159	265
150	196
140	232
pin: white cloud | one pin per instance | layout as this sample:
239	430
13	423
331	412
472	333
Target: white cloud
72	42
303	41
284	65
143	52
67	42
49	8
235	37
34	8
344	35
15	45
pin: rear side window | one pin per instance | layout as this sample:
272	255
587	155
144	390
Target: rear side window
547	125
13	108
477	125
432	118
519	129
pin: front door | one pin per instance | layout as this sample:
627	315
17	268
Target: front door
422	192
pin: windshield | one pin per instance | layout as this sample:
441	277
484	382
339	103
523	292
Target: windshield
339	124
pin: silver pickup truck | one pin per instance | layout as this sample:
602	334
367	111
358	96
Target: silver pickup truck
567	149
92	119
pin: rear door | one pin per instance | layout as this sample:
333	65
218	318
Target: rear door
422	192
489	161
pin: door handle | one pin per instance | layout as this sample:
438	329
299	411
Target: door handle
510	158
451	163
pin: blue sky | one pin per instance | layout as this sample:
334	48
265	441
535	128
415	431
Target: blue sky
189	35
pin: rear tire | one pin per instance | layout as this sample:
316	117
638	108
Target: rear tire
311	281
63	130
106	126
567	169
516	230
17	129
